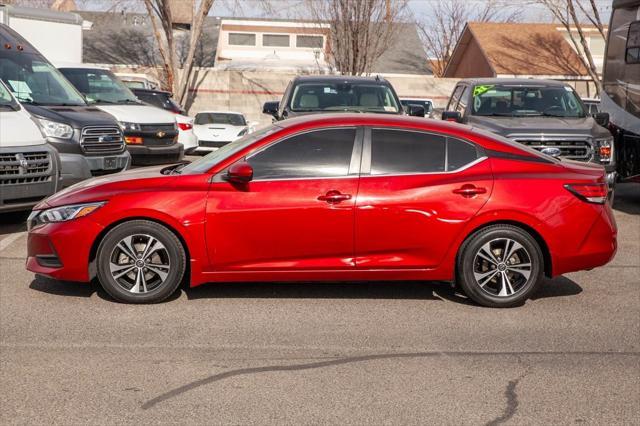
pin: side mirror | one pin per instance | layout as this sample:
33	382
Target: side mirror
415	110
452	116
240	172
602	118
271	108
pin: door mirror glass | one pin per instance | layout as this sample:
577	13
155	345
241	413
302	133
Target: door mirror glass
271	108
240	172
602	118
452	116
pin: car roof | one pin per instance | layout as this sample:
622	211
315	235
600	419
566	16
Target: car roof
8	36
70	65
514	81
339	78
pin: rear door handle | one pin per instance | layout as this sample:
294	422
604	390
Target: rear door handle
333	197
469	190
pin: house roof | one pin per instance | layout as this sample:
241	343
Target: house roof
520	49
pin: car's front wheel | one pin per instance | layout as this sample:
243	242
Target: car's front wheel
140	262
500	266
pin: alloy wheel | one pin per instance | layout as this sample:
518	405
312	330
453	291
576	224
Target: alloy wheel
502	267
139	263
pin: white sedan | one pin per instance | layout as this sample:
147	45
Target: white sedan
215	129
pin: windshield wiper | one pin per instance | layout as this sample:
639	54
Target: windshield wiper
127	101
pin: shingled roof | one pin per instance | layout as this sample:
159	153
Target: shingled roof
517	49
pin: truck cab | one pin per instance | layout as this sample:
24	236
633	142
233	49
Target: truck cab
28	165
89	141
546	115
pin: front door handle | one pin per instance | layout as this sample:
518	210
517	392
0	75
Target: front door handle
469	190
333	197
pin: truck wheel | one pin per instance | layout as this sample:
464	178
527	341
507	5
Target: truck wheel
500	266
140	262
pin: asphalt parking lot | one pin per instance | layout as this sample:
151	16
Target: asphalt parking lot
414	353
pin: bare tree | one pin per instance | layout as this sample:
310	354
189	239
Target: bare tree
564	11
443	26
360	30
160	13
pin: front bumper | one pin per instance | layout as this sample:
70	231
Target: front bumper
78	167
208	146
148	154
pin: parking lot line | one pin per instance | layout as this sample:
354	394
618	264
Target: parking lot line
10	239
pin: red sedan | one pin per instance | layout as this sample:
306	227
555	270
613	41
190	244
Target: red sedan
348	197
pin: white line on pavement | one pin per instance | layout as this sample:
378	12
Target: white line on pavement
6	242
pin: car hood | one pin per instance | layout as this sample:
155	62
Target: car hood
141	114
75	116
104	187
217	132
507	126
17	128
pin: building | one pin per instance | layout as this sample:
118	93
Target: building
517	50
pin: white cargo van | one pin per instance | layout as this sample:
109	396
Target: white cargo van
28	165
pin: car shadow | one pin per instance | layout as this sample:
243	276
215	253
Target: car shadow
627	199
437	291
13	222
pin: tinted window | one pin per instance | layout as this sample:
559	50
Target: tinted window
398	151
462	103
453	102
633	44
459	154
220	118
323	153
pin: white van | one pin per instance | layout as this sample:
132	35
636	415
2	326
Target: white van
151	134
29	167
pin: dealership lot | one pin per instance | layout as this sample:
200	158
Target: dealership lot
323	353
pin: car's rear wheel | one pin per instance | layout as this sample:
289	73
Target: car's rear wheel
500	266
140	262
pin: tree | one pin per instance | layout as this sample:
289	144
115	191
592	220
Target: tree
564	11
360	30
442	28
177	72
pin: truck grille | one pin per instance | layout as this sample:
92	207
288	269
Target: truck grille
102	140
29	167
571	149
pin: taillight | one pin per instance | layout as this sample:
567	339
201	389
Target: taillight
185	126
590	192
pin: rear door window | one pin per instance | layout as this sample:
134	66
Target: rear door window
406	152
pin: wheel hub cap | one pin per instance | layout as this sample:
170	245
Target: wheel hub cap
502	267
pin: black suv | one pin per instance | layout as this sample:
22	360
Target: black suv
324	94
546	115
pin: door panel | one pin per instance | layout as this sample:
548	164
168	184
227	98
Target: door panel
409	220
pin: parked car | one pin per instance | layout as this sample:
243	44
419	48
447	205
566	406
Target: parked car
89	141
28	165
215	129
335	197
426	104
324	93
151	134
162	99
546	115
591	105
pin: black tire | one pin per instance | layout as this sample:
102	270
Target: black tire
172	253
495	291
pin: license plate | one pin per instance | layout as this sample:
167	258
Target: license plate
110	163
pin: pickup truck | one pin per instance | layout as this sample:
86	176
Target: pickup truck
546	115
338	93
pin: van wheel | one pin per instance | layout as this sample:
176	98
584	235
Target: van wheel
140	262
500	266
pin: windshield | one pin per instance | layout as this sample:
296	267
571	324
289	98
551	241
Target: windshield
133	84
33	80
220	118
344	97
99	86
6	100
517	101
205	163
159	100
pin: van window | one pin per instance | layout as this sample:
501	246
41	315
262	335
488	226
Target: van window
633	44
33	80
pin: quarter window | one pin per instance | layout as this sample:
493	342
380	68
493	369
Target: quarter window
459	154
318	154
406	152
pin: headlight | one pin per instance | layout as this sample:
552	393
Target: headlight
53	129
604	147
243	131
61	214
134	127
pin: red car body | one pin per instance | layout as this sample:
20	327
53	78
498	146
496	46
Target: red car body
406	227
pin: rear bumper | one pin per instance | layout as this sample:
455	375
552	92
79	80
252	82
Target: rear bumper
597	248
